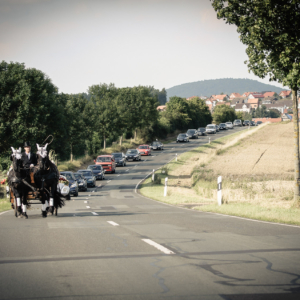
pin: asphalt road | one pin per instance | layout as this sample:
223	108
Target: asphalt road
112	243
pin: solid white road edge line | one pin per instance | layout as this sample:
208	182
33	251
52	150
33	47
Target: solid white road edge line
158	246
112	223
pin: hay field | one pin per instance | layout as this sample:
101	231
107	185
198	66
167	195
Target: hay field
257	169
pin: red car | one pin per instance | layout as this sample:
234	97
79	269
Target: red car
107	162
144	149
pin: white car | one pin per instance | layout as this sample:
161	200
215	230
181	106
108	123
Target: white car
229	125
211	128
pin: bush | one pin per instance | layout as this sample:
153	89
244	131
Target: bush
165	170
5	162
157	179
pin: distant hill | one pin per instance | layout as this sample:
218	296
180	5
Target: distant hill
218	86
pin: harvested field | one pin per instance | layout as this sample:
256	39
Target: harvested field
257	167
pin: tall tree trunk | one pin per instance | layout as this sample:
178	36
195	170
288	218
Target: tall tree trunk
121	140
135	134
296	146
104	142
71	155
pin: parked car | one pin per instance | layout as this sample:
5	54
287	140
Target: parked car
246	123
192	134
229	125
133	154
252	123
211	128
120	159
73	185
144	149
201	131
157	146
258	123
222	126
97	171
82	182
217	128
107	162
89	176
182	137
237	123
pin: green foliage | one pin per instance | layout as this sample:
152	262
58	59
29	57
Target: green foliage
224	113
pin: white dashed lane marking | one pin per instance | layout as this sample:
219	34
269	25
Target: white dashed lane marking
112	223
158	246
86	201
95	214
88	207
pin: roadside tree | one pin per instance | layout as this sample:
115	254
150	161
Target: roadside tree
223	113
270	30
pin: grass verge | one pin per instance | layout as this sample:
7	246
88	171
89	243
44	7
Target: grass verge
4	202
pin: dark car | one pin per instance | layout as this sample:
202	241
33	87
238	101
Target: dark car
133	154
258	123
217	128
201	131
252	123
89	176
82	183
73	185
120	159
157	146
182	137
222	126
246	123
192	133
98	171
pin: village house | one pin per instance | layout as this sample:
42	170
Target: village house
269	100
219	97
269	94
244	107
285	94
234	95
246	94
161	108
279	106
255	96
223	103
211	102
237	100
254	103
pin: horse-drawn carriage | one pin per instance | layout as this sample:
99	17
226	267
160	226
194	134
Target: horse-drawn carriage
40	184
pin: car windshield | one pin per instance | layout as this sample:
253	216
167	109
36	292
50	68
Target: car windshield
222	124
191	131
78	176
211	126
86	173
118	155
229	123
181	135
143	147
201	129
95	167
68	176
103	159
131	151
155	144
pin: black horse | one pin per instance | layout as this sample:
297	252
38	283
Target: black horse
46	177
16	178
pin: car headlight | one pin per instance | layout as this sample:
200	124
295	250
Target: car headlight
74	184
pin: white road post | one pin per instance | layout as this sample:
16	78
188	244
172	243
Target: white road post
209	140
220	190
166	186
176	156
153	176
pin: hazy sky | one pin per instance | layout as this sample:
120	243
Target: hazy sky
126	42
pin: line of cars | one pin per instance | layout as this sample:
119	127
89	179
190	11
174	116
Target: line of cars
203	131
246	123
85	178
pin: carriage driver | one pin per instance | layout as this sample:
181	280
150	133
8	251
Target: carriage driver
29	160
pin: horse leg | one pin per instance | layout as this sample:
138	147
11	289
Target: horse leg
18	201
53	202
44	204
24	202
